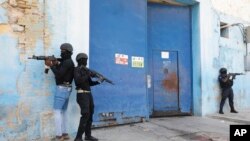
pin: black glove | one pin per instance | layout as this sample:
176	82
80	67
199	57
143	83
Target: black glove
100	80
92	74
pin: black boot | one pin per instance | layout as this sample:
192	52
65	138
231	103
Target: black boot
221	112
233	111
78	139
90	138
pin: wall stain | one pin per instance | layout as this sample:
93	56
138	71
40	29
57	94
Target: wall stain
170	83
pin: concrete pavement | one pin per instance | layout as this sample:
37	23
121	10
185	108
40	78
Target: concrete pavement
242	117
183	128
168	129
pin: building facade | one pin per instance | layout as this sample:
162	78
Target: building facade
162	55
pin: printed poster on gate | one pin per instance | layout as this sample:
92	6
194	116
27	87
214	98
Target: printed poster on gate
137	62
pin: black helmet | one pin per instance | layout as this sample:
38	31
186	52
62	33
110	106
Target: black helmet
223	70
81	55
66	46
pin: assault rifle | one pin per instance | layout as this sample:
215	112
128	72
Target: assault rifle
51	58
97	75
234	75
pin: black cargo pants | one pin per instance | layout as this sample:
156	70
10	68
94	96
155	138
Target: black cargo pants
86	103
227	93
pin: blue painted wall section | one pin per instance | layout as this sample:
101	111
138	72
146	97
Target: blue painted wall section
3	18
119	27
11	68
196	60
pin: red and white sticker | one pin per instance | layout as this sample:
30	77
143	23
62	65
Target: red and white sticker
121	59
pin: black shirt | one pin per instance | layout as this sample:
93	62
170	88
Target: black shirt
64	71
225	82
82	79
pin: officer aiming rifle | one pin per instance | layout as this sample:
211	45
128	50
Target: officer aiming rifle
226	81
83	81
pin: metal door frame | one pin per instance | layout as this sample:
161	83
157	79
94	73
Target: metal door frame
166	113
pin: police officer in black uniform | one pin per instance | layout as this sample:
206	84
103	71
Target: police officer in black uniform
83	82
63	70
226	84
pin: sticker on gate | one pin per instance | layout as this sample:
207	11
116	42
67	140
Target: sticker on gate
121	59
137	62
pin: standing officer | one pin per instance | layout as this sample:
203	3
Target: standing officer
83	81
63	70
226	84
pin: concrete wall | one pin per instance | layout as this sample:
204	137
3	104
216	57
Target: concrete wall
38	27
216	52
30	27
220	52
235	8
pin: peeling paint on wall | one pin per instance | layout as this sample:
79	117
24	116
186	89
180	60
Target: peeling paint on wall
27	21
26	96
21	97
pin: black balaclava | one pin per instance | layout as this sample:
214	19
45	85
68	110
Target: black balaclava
223	74
65	54
82	61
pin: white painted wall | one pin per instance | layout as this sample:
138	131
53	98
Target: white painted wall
78	25
235	8
69	22
217	52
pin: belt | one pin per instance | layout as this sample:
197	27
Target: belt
64	87
83	91
65	84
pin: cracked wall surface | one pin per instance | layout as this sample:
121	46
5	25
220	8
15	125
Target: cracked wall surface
35	27
38	27
22	32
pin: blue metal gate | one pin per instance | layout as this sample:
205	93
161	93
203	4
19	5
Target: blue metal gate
169	52
118	27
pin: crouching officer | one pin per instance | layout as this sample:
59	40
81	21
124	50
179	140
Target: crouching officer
83	81
226	84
